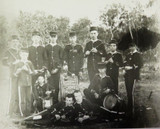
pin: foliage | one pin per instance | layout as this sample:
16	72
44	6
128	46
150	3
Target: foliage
3	30
3	33
118	19
39	21
81	27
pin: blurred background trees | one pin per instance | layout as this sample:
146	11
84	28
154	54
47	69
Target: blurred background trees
116	19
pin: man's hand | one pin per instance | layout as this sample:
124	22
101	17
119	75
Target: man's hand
96	95
123	72
18	71
73	75
15	62
25	68
63	116
86	117
87	53
110	60
128	67
94	50
65	68
107	91
80	120
35	103
80	73
54	71
57	117
48	92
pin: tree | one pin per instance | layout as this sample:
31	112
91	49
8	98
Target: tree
82	30
39	21
118	19
3	33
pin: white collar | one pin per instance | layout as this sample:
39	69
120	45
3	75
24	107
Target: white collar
73	45
53	44
94	40
41	85
133	52
35	45
113	52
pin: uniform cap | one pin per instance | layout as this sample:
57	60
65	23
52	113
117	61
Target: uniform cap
53	33
93	28
35	33
15	37
113	41
72	33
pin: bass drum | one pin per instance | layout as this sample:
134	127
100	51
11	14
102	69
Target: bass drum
114	103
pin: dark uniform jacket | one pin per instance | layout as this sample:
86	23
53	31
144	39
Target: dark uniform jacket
54	56
40	91
112	69
37	56
24	77
100	84
95	84
61	109
135	61
85	108
94	58
106	83
10	56
73	55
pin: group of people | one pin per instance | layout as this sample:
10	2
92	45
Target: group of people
35	71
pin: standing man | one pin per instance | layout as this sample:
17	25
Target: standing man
132	66
37	54
113	62
94	51
11	56
73	56
54	62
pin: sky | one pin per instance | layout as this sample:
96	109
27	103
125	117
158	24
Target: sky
74	9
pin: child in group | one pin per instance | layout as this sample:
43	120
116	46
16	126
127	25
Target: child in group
23	72
42	93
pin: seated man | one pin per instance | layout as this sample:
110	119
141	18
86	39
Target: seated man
84	110
100	85
41	92
60	112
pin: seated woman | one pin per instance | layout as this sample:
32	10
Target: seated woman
41	92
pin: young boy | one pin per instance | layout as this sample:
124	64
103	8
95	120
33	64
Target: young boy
23	72
41	92
113	62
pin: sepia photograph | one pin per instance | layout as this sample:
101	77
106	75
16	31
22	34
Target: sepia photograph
72	64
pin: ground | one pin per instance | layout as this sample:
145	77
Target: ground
147	107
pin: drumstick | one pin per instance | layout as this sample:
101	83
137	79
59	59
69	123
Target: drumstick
34	115
120	113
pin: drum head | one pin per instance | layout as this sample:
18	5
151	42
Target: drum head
110	101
